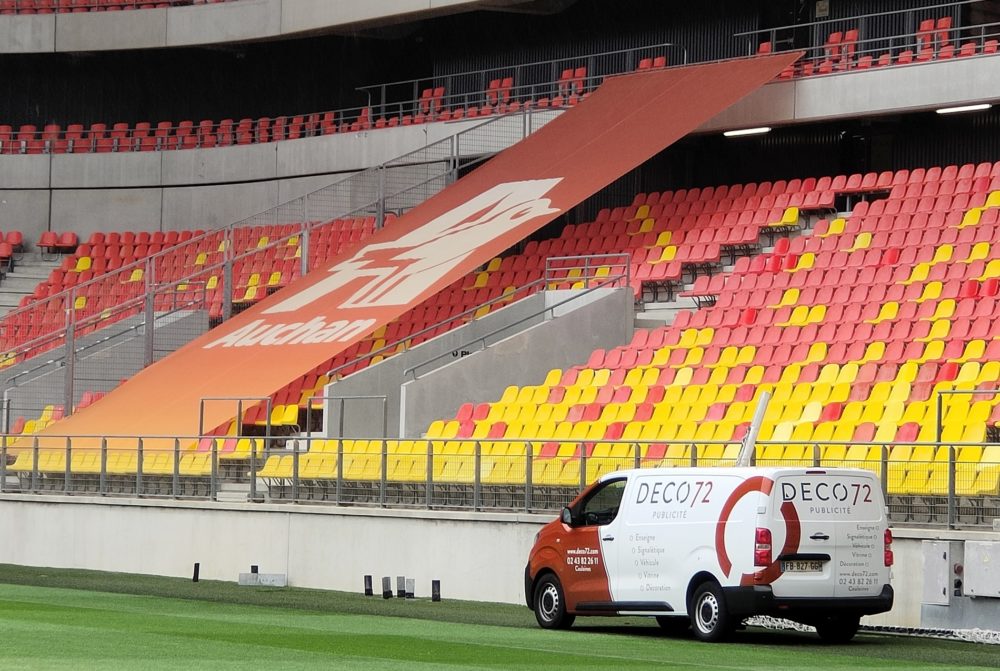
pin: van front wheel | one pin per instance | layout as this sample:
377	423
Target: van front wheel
710	619
550	604
838	629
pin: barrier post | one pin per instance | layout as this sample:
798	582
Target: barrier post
304	236
383	472
70	358
340	469
3	463
429	494
103	486
227	276
34	464
253	469
67	474
528	457
295	472
477	481
214	484
885	471
138	467
952	501
175	485
149	313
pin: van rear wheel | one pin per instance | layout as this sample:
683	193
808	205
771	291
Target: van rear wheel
839	629
550	604
710	619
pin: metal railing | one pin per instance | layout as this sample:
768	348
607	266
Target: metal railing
867	49
517	82
213	287
534	84
780	36
73	6
474	93
957	486
570	271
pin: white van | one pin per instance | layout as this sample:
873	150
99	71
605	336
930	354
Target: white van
707	547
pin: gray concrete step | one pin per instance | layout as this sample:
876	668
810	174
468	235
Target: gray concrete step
28	272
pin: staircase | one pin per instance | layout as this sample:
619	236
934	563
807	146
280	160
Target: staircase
29	269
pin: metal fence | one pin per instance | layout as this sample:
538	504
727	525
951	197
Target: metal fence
926	484
886	38
74	6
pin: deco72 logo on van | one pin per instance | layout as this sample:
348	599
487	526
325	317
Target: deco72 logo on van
395	273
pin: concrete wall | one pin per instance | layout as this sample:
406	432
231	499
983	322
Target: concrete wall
198	188
521	354
477	556
243	21
567	339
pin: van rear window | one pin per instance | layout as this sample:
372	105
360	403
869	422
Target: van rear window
826	496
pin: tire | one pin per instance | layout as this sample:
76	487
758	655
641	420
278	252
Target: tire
673	625
839	629
550	604
710	619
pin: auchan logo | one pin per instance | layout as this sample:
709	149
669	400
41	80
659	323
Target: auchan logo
395	273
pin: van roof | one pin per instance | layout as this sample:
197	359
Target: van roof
741	471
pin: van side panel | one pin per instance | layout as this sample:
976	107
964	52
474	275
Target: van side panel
670	526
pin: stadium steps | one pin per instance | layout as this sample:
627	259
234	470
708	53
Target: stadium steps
28	271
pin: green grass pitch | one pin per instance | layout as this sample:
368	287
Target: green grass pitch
58	619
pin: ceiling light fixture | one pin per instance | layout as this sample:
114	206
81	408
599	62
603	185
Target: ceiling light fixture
964	108
747	131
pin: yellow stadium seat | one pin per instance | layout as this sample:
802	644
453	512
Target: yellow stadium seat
836	227
980	252
932	291
939	330
919	273
789	297
992	270
887	312
863	240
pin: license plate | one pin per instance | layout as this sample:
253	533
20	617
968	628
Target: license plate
802	566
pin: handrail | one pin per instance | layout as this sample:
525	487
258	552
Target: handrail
227	232
99	5
857	17
104	138
608	280
492	301
943	501
514	66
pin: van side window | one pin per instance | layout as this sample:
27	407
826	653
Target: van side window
602	505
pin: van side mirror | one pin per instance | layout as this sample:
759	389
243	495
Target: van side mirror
567	517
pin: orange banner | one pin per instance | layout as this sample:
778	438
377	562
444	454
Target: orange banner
622	124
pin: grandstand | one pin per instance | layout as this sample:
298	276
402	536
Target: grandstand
474	275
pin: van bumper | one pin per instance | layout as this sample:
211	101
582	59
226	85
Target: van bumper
760	600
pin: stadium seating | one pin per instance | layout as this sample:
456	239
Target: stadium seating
934	40
854	329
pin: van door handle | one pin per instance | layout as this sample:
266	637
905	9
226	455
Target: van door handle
608	538
819	536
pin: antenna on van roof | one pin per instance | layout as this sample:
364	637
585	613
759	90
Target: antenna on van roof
750	440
